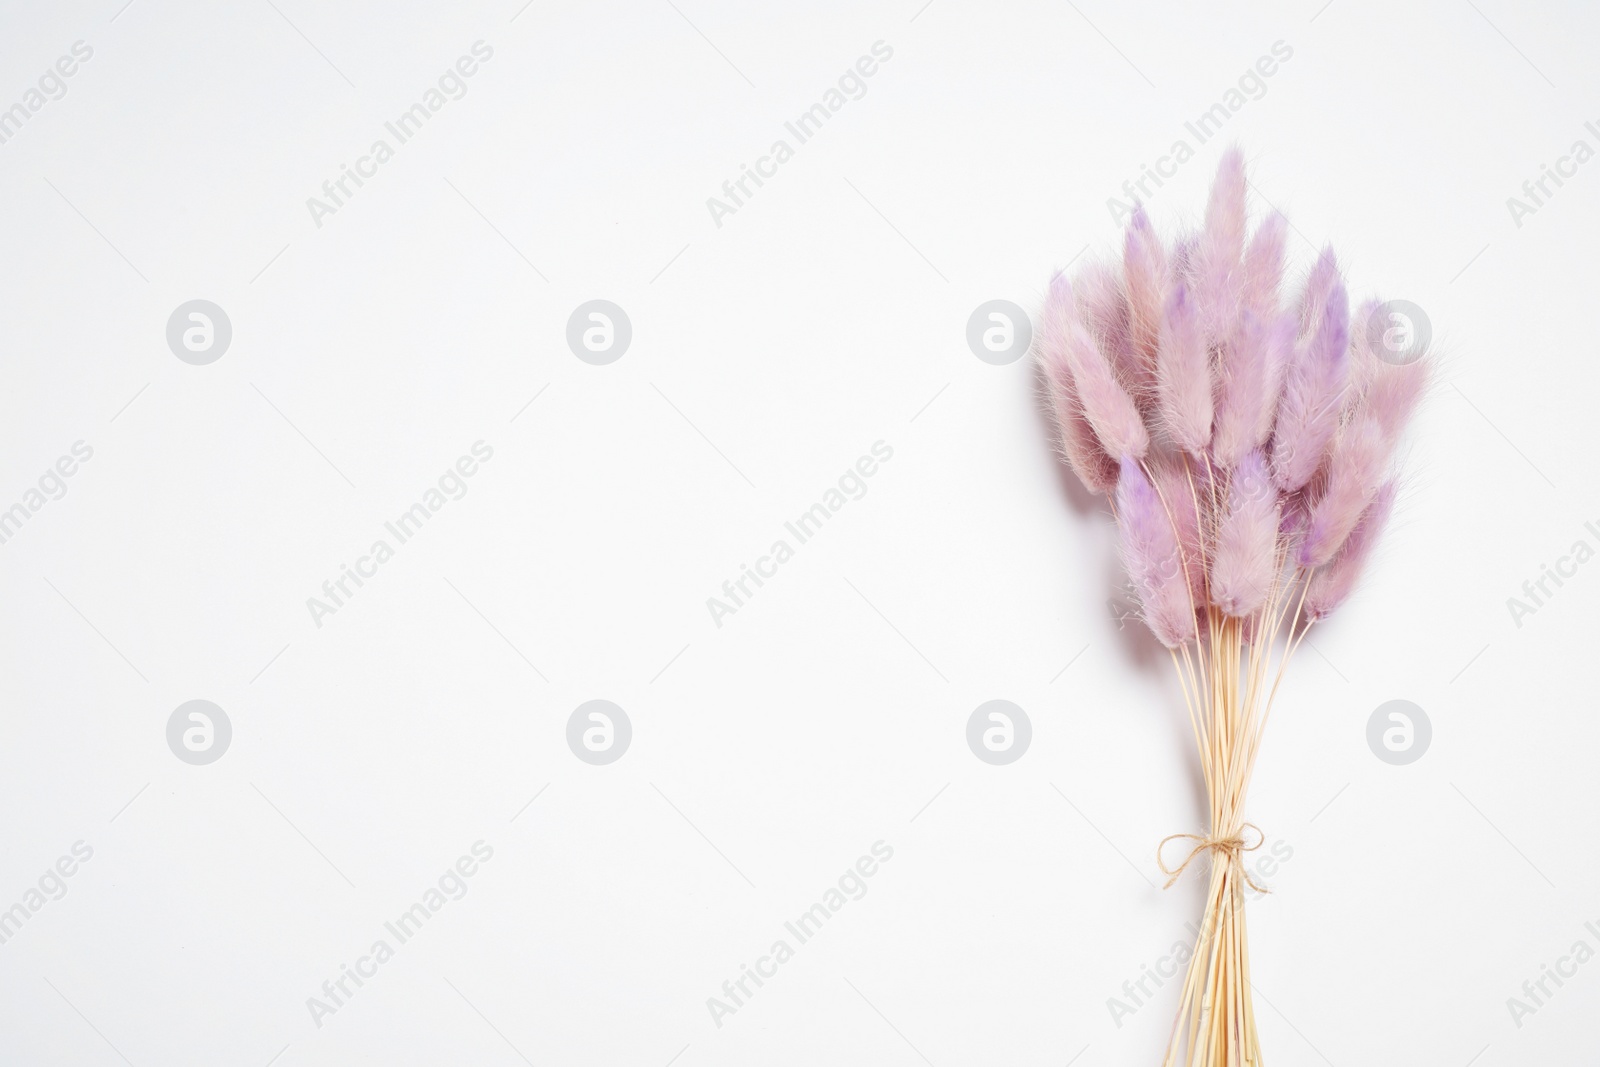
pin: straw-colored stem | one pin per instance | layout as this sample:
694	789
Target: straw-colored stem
1229	679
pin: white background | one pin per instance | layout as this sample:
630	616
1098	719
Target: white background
768	354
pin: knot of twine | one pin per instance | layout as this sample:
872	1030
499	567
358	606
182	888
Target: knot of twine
1233	847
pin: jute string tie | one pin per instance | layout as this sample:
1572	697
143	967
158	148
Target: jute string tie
1232	846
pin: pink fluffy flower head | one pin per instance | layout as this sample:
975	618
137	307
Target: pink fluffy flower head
1102	393
1183	375
1076	438
1330	585
1152	551
1144	265
1313	394
1245	562
1246	436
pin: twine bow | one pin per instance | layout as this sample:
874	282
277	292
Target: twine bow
1232	847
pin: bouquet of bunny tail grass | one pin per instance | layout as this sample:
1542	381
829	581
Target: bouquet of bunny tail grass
1245	441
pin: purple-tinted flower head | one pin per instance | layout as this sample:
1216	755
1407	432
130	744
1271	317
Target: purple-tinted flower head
1263	266
1106	403
1313	395
1103	309
1331	584
1218	269
1249	436
1251	377
1183	376
1144	265
1075	437
1360	455
1245	562
1320	284
1152	554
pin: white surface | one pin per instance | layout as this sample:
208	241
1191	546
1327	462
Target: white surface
826	314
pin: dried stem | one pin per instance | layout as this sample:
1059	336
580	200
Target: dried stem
1229	678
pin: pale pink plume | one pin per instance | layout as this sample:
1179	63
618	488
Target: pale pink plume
1225	221
1144	265
1219	266
1184	490
1245	560
1183	375
1251	376
1360	457
1356	464
1240	430
1103	309
1150	551
1320	283
1183	258
1331	585
1075	437
1106	404
1394	392
1364	362
1313	395
1263	266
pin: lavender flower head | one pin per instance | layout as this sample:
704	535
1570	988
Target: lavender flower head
1244	432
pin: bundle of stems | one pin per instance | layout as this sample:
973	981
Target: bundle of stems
1228	687
1244	440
